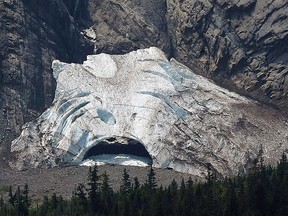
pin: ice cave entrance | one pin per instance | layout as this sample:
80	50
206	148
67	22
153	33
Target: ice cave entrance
117	150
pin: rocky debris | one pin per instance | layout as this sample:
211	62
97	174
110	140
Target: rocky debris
63	180
182	119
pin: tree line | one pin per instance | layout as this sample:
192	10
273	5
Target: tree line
262	191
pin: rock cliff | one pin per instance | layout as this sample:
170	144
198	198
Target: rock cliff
168	113
33	34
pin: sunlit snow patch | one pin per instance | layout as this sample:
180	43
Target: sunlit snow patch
121	159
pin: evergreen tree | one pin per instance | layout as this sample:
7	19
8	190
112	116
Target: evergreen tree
210	191
181	198
60	206
1	202
20	206
199	201
188	199
173	194
157	204
151	179
230	207
126	183
135	195
136	184
182	189
282	166
93	190
106	195
54	202
2	207
80	199
44	208
27	201
12	197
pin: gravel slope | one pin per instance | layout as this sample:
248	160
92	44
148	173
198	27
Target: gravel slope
63	180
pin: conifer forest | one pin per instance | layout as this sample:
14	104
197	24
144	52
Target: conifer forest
262	191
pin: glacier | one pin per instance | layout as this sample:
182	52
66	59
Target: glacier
148	109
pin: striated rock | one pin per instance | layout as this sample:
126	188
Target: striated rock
143	104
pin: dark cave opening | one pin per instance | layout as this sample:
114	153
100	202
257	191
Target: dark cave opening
118	145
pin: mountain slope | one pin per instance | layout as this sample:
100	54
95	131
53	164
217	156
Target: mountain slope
241	44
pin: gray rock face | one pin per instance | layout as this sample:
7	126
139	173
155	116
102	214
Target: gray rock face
32	35
124	26
241	44
163	109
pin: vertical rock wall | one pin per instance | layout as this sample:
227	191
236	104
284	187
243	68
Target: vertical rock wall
33	34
